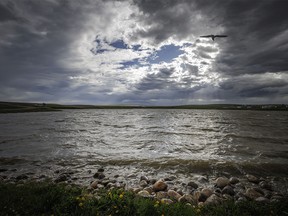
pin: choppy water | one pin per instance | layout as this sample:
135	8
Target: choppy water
155	142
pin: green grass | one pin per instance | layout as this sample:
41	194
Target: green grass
54	199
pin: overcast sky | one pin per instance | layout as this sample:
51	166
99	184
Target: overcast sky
146	52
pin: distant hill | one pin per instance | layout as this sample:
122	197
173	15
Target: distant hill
15	107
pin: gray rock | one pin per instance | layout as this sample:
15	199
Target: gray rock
62	178
153	181
143	183
173	195
159	186
233	180
213	200
99	175
252	178
252	194
144	178
136	190
149	189
100	170
161	194
202	179
187	198
207	192
94	184
265	185
262	200
166	201
202	197
143	193
221	182
192	184
228	190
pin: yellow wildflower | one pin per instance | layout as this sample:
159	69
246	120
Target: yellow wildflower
83	198
121	196
156	205
80	204
77	198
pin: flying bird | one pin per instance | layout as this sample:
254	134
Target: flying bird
213	36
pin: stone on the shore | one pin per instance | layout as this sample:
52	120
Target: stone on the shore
143	193
100	170
187	198
99	175
207	192
265	185
159	186
149	189
192	184
153	181
202	179
173	194
166	201
262	200
136	190
62	178
252	194
161	194
213	200
233	180
252	178
228	190
202	197
143	183
221	182
145	178
94	184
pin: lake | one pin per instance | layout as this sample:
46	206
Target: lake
155	142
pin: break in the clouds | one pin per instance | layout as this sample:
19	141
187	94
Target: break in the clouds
146	52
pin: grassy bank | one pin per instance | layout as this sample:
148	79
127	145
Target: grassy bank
60	199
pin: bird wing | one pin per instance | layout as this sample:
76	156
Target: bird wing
207	36
221	36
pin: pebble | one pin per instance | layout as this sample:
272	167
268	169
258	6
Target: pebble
173	194
143	193
161	194
187	198
192	184
99	175
144	178
62	178
233	180
22	177
143	183
159	186
228	190
213	200
207	192
262	200
100	170
166	201
221	182
252	178
202	179
252	194
94	184
265	185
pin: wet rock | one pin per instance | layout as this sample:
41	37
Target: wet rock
202	179
180	192
265	185
153	181
143	193
228	190
136	190
173	195
166	201
159	186
276	198
100	170
161	194
144	178
99	175
131	175
252	194
100	186
149	189
221	182
213	200
143	183
207	192
110	185
187	198
252	178
192	184
22	177
240	200
262	200
94	184
42	176
227	197
202	197
116	176
105	182
233	180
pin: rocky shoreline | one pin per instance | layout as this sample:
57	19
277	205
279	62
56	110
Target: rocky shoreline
199	191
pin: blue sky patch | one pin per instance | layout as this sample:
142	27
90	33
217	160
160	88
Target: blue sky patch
119	44
166	54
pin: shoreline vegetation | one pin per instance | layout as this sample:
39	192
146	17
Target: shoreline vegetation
250	195
18	107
